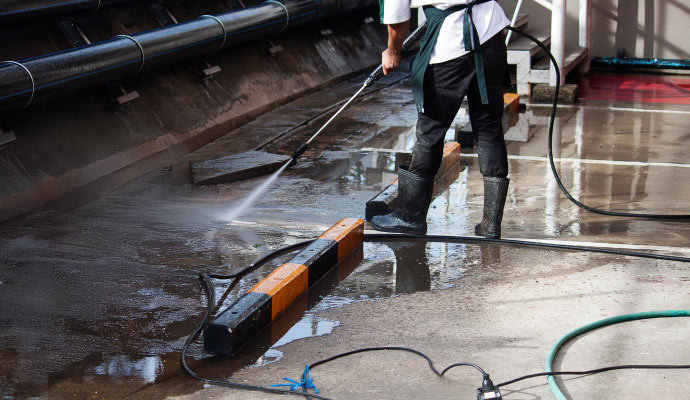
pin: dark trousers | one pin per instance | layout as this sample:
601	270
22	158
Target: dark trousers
445	85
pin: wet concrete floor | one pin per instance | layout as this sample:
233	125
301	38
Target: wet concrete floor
97	298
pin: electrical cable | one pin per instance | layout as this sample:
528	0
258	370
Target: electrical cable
432	367
464	364
550	148
210	290
383	348
258	263
592	371
210	295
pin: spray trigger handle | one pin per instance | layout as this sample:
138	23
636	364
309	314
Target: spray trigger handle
300	150
407	45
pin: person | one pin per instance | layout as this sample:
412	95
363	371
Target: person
463	53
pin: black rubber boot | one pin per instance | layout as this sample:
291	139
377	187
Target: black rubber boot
414	197
495	192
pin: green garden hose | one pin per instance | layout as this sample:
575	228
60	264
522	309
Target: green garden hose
555	389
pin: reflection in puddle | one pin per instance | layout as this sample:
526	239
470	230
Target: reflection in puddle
271	356
146	369
359	170
309	326
386	270
394	268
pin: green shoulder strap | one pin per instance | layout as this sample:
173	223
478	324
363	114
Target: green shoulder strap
435	18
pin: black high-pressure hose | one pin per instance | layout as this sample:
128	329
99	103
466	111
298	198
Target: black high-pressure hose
409	44
550	141
210	289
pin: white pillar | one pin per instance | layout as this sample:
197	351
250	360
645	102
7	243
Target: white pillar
585	23
585	33
558	13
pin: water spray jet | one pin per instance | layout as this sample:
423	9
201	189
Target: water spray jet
255	163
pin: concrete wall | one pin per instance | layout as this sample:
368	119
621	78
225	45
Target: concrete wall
78	146
644	28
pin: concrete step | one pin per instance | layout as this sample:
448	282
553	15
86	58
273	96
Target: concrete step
236	167
521	44
573	57
521	52
520	23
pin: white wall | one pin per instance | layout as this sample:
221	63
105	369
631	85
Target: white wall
644	28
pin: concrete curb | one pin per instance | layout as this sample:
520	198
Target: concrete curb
544	93
237	324
385	201
235	167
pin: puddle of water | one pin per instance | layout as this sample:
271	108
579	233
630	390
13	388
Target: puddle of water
391	269
153	313
356	169
377	271
309	326
145	369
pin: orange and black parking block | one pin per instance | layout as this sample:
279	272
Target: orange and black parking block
236	325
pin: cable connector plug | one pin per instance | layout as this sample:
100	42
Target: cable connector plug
488	391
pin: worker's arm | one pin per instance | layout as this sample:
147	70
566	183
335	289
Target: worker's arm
391	57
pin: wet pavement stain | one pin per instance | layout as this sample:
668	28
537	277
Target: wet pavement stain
147	359
98	299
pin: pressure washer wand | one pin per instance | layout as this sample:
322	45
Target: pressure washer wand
373	77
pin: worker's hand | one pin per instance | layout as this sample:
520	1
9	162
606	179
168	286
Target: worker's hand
390	59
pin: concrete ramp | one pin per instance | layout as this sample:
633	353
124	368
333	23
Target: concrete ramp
236	167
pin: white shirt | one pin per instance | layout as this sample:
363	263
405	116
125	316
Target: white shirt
489	19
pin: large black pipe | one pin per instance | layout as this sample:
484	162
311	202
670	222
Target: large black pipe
14	11
125	56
